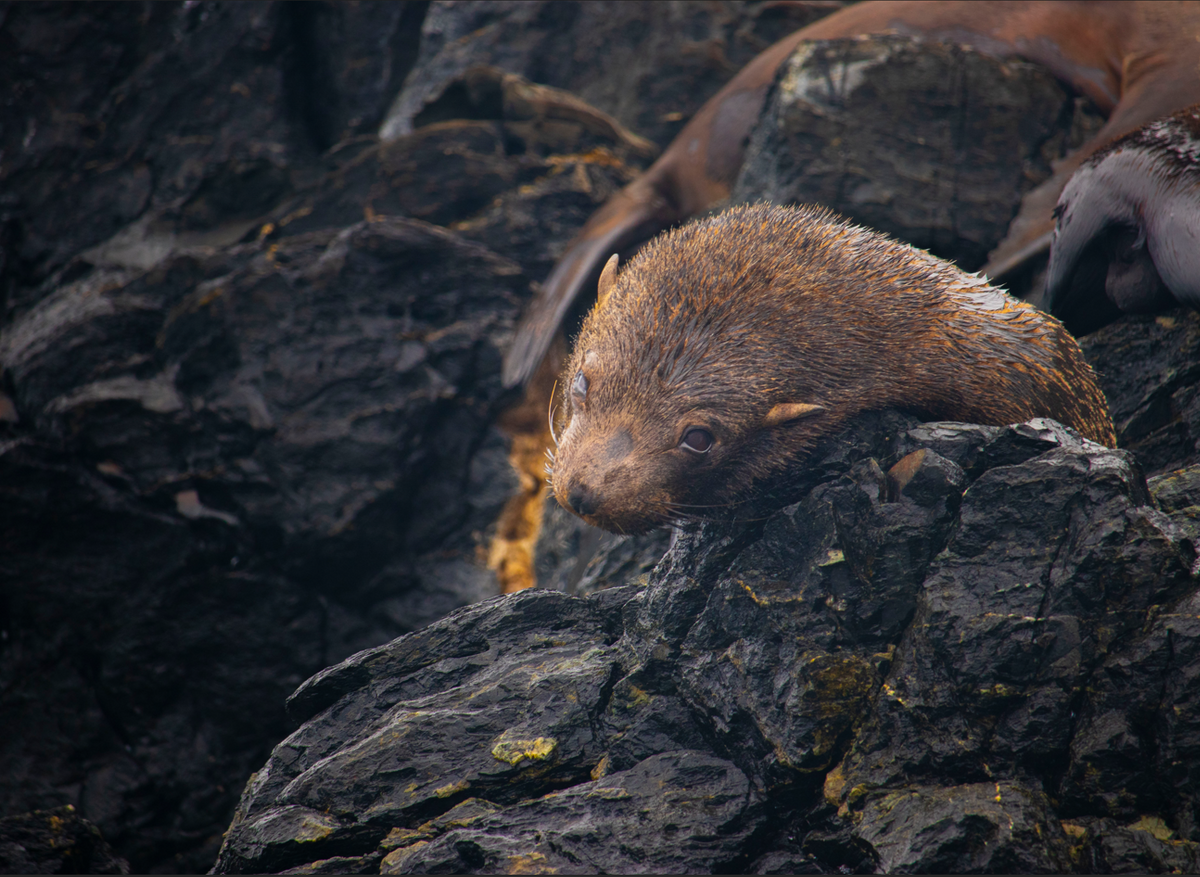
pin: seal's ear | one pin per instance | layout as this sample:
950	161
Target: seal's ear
786	412
607	278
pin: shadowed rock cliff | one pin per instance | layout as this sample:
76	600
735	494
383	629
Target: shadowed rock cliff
939	631
249	355
248	386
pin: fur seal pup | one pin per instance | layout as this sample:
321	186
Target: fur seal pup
1127	236
726	349
1135	61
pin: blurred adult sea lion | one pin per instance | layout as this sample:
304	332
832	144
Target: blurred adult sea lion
1136	61
1127	235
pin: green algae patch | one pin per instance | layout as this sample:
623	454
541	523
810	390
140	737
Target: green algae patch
403	837
458	816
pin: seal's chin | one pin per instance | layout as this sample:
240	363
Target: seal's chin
625	526
618	517
622	525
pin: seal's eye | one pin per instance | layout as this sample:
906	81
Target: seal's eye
697	440
579	386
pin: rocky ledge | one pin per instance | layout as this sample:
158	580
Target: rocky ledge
964	648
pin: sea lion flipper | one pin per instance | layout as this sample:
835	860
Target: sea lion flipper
1085	210
633	214
1173	235
1127	226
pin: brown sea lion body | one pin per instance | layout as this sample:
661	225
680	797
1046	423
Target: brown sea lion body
1137	61
728	348
1127	235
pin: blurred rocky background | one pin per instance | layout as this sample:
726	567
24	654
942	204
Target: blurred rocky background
258	263
249	351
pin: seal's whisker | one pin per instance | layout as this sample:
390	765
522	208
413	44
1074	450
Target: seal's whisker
677	517
715	505
550	412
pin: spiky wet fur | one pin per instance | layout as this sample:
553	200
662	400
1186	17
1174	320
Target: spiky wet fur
720	320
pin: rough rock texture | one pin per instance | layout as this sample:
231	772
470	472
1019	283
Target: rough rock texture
247	392
931	143
651	65
297	433
1148	367
938	659
580	559
248	356
55	842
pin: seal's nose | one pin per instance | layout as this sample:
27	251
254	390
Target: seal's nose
581	499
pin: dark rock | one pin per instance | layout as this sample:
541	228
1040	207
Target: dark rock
580	559
513	685
649	65
296	432
1146	846
1147	367
932	143
678	812
493	178
1178	490
1138	734
916	667
977	828
188	120
349	62
55	842
293	392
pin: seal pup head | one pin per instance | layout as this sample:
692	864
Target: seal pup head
728	348
673	411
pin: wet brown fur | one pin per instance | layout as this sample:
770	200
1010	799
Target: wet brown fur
719	322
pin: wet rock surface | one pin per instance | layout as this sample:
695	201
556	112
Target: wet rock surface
938	633
249	357
651	65
55	842
1147	367
261	441
931	143
249	353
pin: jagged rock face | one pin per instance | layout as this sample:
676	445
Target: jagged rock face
255	387
250	357
55	841
1146	366
652	65
217	457
931	143
943	641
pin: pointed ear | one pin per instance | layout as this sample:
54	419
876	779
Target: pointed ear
786	412
607	278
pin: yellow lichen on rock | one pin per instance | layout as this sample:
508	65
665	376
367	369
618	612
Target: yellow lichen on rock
452	789
530	863
513	750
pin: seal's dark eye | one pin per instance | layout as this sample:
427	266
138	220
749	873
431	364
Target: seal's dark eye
697	440
579	385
